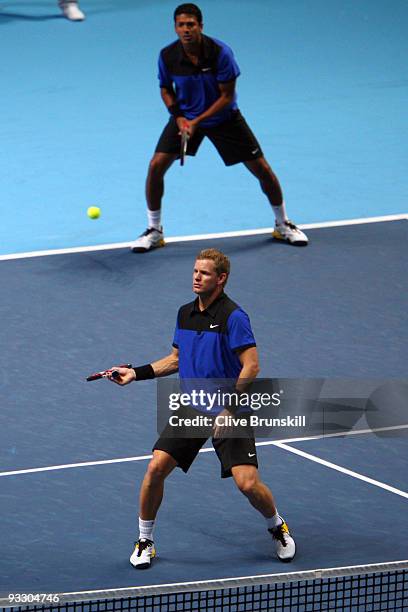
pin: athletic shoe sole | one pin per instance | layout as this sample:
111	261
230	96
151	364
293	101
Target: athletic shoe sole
287	560
278	236
143	250
142	566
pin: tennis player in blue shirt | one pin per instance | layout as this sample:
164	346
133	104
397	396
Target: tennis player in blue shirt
213	340
197	77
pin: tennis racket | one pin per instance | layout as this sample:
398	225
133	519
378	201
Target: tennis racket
183	146
105	373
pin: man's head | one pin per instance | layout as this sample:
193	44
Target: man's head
189	9
211	270
188	23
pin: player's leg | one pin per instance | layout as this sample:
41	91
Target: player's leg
247	479
151	495
268	180
153	237
284	229
168	452
71	10
166	152
151	490
159	164
236	143
269	184
238	458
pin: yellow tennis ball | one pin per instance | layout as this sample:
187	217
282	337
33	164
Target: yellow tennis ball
93	212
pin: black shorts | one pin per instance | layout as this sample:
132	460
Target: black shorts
233	139
230	451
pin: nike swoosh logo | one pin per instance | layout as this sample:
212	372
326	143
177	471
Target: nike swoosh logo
251	454
205	69
212	326
255	151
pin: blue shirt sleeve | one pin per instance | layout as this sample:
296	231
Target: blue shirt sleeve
164	75
227	67
239	331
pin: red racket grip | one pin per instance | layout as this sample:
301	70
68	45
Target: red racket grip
103	374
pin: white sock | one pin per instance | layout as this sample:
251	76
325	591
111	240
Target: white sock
280	213
153	218
274	521
146	529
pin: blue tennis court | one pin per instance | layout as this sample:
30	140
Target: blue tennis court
325	90
71	528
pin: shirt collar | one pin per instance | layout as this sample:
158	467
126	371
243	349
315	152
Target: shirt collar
206	50
212	308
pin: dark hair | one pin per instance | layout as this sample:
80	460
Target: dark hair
189	9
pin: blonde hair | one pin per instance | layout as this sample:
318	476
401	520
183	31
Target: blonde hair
221	261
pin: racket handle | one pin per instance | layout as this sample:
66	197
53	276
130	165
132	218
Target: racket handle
103	374
94	376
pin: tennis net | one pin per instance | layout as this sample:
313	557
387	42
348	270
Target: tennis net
365	588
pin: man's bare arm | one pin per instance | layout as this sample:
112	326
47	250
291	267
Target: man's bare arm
168	96
250	368
163	367
167	365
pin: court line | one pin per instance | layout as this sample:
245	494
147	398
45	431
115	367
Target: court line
279	443
353	432
341	469
232	234
67	466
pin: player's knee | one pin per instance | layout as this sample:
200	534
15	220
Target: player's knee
247	485
156	470
157	167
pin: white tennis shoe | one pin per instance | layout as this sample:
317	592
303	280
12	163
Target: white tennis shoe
291	233
284	543
71	10
150	239
143	554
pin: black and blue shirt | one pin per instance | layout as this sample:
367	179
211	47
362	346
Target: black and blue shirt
196	86
209	341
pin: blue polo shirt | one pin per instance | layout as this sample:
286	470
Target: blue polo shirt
196	87
209	341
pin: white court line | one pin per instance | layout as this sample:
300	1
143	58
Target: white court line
343	470
278	443
233	234
354	432
67	466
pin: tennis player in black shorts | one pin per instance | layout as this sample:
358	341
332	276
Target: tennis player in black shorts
197	77
213	340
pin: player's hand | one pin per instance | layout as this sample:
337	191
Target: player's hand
225	430
121	376
185	125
